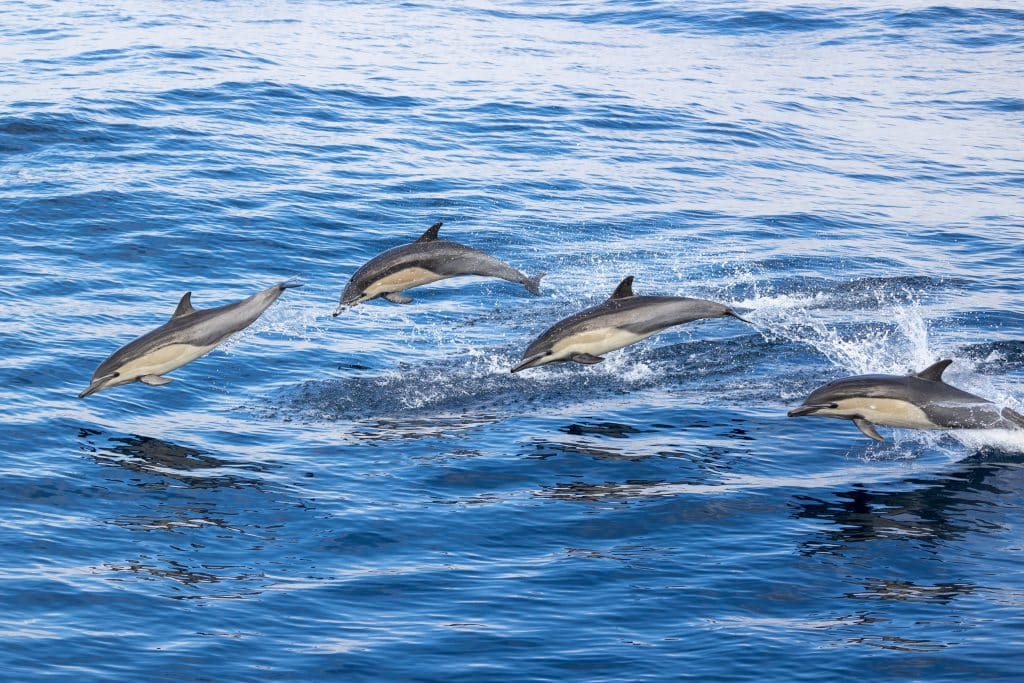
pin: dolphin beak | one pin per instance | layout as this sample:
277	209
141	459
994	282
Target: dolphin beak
339	310
809	409
93	388
531	362
98	383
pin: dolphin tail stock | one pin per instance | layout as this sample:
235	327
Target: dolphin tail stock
532	284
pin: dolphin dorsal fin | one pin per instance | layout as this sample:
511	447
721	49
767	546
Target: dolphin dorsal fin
184	306
625	288
431	234
934	372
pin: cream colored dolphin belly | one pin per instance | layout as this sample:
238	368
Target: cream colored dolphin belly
595	342
884	411
164	359
402	280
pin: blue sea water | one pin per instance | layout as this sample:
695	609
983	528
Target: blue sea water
375	496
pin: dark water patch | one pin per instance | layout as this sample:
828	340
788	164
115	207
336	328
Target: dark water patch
257	93
943	16
210	53
997	104
923	510
802	223
31	133
889	589
669	19
167	461
622	116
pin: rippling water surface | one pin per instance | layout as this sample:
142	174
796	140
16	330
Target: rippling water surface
375	496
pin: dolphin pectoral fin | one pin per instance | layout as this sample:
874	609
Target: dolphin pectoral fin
867	428
586	358
397	298
155	380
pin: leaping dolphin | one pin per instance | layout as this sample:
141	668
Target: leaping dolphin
623	319
426	260
188	335
920	401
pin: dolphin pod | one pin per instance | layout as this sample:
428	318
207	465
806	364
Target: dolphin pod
917	401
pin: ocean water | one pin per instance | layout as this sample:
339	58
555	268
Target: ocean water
375	496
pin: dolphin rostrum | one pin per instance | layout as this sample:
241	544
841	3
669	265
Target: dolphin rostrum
189	334
623	319
426	260
920	401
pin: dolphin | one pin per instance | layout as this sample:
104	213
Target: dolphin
623	319
189	334
917	401
426	260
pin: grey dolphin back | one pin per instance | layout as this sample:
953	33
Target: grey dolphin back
428	252
476	262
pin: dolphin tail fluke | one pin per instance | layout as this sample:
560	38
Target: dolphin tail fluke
733	314
867	428
1014	417
290	283
532	284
